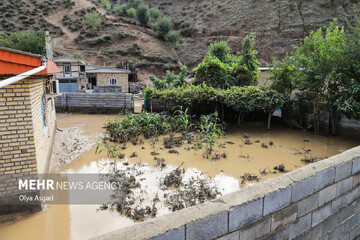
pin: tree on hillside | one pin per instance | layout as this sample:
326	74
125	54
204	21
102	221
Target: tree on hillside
142	14
134	4
27	41
118	10
155	13
131	12
163	26
92	19
106	4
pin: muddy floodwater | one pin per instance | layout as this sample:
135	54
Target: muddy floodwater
246	151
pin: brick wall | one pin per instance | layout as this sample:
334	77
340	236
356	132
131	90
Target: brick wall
122	80
319	201
25	147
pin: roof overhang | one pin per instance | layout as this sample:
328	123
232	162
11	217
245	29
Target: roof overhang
14	62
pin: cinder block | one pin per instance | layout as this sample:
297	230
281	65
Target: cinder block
349	211
343	171
339	203
352	222
324	178
303	189
355	233
327	194
245	214
280	234
231	236
308	204
357	180
302	224
344	186
277	200
356	165
355	194
284	217
208	228
256	230
336	233
321	214
330	223
177	234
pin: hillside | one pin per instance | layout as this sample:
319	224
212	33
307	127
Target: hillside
279	25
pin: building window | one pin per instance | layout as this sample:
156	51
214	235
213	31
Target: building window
113	81
82	68
67	68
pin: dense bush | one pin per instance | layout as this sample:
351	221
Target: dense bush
92	19
212	72
131	12
28	41
172	37
220	50
142	14
118	10
220	69
324	69
155	13
106	4
134	4
240	99
170	80
132	125
163	25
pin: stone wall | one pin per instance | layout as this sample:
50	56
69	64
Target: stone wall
25	146
318	201
122	80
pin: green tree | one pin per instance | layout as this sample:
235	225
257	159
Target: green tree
172	37
118	10
131	12
163	25
92	19
78	56
134	3
155	13
27	41
212	72
248	55
220	50
283	77
142	14
240	75
106	4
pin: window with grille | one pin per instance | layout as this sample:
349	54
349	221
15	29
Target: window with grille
112	81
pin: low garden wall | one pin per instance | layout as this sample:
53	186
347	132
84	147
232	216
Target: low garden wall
318	201
94	102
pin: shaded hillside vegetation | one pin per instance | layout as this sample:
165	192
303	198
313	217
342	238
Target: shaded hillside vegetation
279	26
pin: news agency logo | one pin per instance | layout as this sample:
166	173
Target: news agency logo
49	184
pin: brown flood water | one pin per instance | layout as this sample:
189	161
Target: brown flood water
82	222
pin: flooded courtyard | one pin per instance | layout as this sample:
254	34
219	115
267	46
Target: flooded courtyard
246	156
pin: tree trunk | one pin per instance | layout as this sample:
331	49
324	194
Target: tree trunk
269	121
151	107
239	118
222	112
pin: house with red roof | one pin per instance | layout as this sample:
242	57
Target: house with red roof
27	118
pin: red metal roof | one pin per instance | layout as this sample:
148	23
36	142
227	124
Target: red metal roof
14	62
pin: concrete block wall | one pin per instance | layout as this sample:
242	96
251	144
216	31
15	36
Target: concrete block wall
318	201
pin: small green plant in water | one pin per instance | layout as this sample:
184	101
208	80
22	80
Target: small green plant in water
209	132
